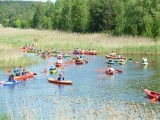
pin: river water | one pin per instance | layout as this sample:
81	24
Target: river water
88	83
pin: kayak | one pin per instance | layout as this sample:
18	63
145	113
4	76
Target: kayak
11	83
109	72
92	53
58	65
28	75
75	52
145	63
59	82
111	62
53	71
114	57
78	62
122	62
31	51
151	94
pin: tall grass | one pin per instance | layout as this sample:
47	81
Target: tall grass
103	43
82	108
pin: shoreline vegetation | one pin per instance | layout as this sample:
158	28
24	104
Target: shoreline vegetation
12	39
63	108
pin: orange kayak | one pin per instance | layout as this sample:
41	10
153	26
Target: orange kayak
59	82
78	62
28	75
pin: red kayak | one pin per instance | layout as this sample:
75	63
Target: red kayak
28	75
92	53
152	94
109	72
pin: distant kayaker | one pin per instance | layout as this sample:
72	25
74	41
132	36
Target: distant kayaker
93	51
15	70
20	68
53	67
144	59
11	78
60	78
24	72
113	54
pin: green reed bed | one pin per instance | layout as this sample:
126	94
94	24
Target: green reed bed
62	108
10	58
103	43
5	116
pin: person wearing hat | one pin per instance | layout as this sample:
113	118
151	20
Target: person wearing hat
60	78
11	79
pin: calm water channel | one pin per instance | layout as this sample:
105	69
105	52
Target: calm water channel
87	83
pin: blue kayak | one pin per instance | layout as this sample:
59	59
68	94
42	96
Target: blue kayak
11	83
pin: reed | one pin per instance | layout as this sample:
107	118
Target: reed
61	108
103	43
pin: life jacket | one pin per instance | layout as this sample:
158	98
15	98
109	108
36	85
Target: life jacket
60	78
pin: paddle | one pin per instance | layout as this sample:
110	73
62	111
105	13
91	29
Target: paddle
119	71
9	71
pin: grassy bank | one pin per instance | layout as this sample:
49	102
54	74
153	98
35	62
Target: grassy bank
103	43
82	108
11	39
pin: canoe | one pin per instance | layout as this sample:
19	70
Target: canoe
59	82
53	71
109	72
58	65
28	75
11	83
151	94
78	62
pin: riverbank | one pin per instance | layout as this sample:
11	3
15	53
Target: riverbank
11	39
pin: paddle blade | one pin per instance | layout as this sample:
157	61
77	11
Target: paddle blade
9	71
153	100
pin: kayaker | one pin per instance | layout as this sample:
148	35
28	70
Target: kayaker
15	70
24	72
60	78
20	68
82	56
144	59
11	78
93	51
53	67
110	60
113	54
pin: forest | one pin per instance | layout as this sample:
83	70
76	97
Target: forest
118	17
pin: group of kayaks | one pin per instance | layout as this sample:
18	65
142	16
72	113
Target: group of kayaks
18	79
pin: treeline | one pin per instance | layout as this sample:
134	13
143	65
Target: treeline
120	17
